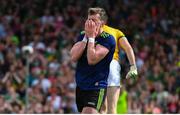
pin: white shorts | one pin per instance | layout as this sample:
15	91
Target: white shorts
114	73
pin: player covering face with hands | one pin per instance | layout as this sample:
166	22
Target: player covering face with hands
93	53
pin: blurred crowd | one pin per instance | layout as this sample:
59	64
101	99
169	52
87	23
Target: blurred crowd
51	28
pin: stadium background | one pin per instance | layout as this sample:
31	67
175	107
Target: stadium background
51	27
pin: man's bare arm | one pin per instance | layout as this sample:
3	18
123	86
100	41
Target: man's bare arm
131	57
78	49
128	49
95	54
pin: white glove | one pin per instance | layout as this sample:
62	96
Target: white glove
132	72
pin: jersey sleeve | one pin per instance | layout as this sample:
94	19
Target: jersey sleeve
120	34
108	42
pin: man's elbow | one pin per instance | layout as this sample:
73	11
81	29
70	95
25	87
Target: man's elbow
74	58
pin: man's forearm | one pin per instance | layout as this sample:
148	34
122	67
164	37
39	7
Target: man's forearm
91	52
130	55
128	49
133	69
77	50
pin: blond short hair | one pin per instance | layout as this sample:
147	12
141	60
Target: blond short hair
100	11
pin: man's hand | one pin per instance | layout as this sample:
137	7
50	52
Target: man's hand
132	73
90	29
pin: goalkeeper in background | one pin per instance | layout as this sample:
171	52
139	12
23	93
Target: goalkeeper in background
113	90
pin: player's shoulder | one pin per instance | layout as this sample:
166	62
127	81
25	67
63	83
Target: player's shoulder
121	34
105	35
118	31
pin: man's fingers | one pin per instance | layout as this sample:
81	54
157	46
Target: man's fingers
131	75
90	28
86	25
86	22
91	24
127	76
94	25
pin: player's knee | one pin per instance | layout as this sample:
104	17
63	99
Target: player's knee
103	108
111	110
89	110
112	107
